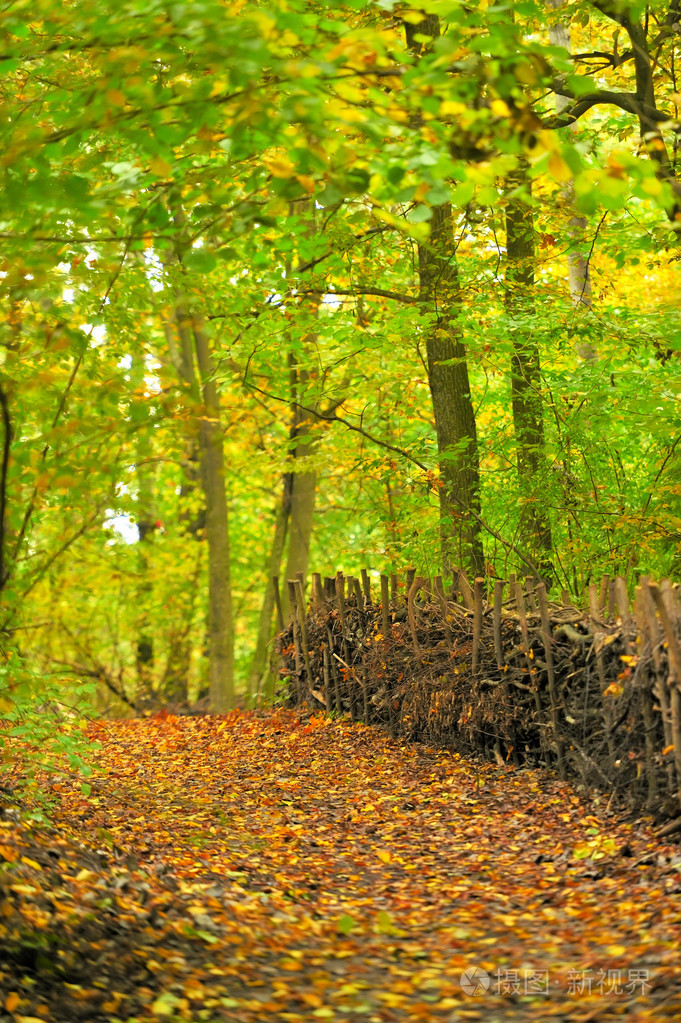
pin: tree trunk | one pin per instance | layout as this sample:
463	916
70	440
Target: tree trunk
260	677
220	617
450	391
527	407
304	483
146	526
303	488
579	272
453	412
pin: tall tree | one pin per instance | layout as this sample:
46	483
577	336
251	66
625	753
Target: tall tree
448	375
198	373
579	269
526	383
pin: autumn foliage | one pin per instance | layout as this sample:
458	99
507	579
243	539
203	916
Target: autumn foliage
281	867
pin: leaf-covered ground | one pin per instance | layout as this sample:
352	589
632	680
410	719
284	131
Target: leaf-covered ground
266	868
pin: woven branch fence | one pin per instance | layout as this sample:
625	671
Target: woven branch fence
498	668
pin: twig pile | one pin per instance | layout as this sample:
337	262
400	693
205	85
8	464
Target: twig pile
524	680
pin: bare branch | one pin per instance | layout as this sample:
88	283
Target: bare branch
624	100
333	418
379	292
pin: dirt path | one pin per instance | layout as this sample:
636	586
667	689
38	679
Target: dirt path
251	869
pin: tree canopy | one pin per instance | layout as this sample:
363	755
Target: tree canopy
293	286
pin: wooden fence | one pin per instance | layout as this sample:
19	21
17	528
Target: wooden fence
498	668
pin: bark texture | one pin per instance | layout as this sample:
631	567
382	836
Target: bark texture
453	412
526	397
260	679
579	271
220	616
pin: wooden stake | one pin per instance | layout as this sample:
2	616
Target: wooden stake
498	599
653	633
611	600
439	589
277	603
674	651
394	586
303	630
327	680
553	692
291	583
596	614
317	596
340	581
646	701
334	671
522	615
477	621
417	583
529	587
385	607
366	586
340	597
357	590
464	588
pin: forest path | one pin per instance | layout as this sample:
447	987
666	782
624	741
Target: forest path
268	868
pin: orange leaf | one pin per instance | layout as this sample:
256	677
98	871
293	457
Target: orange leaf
12	1001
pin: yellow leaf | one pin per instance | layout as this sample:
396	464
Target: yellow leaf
583	850
160	166
31	863
652	186
384	855
307	182
280	167
450	106
499	108
558	169
525	73
310	998
217	87
667	749
614	689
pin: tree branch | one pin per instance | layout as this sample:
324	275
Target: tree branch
6	447
628	101
379	292
333	418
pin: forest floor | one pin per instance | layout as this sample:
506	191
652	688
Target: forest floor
254	868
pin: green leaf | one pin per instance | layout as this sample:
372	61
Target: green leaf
345	924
